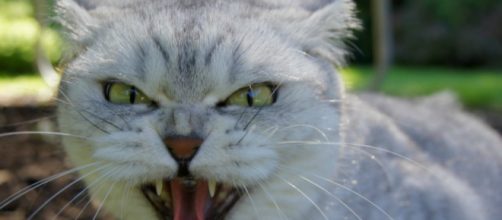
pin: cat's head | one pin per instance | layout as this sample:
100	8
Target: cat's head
203	109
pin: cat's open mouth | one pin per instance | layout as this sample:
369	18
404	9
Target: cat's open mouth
191	199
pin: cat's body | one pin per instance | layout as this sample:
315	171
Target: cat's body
452	166
314	153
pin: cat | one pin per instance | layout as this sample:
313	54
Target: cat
214	109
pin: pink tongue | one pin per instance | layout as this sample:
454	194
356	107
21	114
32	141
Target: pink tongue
189	203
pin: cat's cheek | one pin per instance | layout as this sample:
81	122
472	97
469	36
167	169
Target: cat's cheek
245	162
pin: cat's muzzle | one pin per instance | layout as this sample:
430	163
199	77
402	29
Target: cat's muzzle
191	199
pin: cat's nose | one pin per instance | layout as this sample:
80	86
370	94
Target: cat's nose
183	148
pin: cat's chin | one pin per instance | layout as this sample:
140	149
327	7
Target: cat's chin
190	199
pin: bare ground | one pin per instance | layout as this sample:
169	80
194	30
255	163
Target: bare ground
28	159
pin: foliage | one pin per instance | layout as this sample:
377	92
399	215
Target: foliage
19	35
463	33
457	12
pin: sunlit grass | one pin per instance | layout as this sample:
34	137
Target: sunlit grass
27	89
475	88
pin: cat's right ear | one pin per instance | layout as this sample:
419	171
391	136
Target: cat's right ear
77	22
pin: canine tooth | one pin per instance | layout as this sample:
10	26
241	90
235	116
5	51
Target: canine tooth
212	187
159	185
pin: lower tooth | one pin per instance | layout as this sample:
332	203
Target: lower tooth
159	185
212	187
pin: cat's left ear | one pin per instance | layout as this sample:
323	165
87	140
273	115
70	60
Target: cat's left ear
77	22
329	23
81	19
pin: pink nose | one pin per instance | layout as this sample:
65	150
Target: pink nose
182	147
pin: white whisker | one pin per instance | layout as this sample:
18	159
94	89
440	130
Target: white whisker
63	189
42	182
306	196
104	200
42	133
83	209
279	210
125	196
27	121
355	145
332	196
358	195
318	130
98	180
294	171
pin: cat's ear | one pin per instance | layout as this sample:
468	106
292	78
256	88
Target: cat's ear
326	28
77	22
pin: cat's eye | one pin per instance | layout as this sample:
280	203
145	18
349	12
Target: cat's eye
255	95
120	93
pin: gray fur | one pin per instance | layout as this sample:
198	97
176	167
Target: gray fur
410	160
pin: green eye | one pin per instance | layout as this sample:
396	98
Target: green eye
255	95
120	93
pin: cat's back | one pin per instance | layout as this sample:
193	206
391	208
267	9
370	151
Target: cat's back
428	155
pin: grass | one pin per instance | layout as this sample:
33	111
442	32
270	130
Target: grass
25	89
475	88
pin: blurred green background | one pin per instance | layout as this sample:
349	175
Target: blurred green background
436	45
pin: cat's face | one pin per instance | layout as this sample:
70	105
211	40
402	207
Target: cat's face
196	71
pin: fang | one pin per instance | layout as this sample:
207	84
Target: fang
159	185
212	187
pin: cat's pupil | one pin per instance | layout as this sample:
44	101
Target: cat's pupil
250	96
132	94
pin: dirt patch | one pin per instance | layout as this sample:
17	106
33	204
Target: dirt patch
26	159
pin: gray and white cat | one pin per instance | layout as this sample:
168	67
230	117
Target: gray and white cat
232	109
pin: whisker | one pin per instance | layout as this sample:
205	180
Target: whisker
240	117
279	210
125	196
118	115
104	200
306	196
295	171
27	121
251	199
84	208
253	118
333	101
63	189
88	186
358	195
39	183
42	132
255	115
80	110
104	119
92	123
318	130
333	196
378	162
271	130
245	134
356	145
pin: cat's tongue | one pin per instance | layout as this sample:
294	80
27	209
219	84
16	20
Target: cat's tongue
189	202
